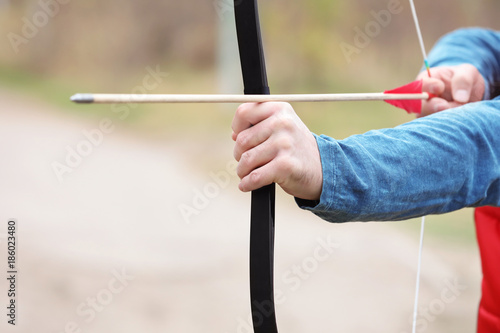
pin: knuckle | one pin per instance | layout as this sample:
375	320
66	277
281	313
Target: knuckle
247	157
255	179
255	176
277	108
244	141
242	109
241	140
284	142
468	67
464	72
281	115
280	122
289	124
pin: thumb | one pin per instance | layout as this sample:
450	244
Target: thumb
461	84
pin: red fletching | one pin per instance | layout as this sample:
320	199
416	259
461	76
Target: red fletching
412	105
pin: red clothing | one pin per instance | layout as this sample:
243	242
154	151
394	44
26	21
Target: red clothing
488	236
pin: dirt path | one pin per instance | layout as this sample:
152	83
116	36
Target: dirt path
134	240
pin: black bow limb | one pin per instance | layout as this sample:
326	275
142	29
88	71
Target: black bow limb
262	210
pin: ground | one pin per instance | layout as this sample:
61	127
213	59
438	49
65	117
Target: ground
141	237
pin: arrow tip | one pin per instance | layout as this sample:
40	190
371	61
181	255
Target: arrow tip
82	98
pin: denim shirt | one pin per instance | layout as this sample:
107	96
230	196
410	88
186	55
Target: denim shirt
431	165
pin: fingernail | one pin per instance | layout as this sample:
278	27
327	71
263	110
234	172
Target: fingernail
462	96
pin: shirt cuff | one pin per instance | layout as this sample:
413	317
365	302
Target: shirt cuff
328	158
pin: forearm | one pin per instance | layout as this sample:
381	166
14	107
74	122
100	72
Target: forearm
432	165
475	46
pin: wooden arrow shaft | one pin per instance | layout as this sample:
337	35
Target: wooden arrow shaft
185	98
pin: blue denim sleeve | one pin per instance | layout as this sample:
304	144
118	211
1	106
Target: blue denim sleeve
431	165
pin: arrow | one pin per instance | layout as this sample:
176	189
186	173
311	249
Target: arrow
408	97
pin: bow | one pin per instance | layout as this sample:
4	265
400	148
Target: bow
263	200
262	207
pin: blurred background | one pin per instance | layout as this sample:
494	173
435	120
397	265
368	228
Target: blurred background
129	218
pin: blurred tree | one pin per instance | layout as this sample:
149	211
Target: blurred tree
121	37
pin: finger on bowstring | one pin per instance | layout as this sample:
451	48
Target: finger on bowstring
433	85
443	74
